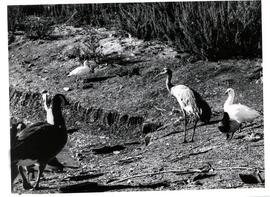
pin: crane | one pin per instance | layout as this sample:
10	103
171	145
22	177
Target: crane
191	103
39	143
238	112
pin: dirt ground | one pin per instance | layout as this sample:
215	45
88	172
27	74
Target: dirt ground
103	157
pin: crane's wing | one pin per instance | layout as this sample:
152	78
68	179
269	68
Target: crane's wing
205	110
186	99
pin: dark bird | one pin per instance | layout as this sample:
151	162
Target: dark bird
47	102
39	143
53	164
191	103
228	126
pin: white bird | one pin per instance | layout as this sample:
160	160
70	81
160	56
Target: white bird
83	70
191	103
238	112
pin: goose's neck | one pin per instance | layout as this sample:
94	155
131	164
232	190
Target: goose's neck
49	116
169	84
48	108
229	100
55	117
58	117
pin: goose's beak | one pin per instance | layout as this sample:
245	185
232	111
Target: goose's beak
44	94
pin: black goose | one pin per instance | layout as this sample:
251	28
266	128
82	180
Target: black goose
39	143
228	126
53	164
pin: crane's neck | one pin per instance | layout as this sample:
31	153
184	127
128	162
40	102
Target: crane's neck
229	100
169	84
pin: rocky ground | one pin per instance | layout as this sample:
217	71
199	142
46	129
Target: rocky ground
119	107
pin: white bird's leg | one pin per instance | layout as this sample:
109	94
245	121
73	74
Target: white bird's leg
41	168
240	127
194	128
185	125
26	185
78	80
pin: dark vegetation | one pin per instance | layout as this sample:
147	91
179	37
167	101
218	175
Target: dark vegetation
210	30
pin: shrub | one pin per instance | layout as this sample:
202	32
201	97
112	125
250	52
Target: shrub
211	30
38	27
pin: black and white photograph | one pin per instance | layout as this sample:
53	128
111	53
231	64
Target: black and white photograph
135	96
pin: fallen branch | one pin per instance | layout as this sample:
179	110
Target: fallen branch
159	109
239	167
162	127
178	172
166	157
205	150
182	172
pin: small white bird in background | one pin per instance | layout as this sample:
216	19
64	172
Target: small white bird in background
83	70
238	112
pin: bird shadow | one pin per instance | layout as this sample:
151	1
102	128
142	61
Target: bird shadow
108	149
70	131
251	125
82	177
190	128
96	187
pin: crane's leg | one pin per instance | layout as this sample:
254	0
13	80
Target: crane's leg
26	185
185	126
194	128
41	168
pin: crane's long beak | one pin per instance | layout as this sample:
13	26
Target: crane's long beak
159	74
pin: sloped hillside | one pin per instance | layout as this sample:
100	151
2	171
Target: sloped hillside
119	106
